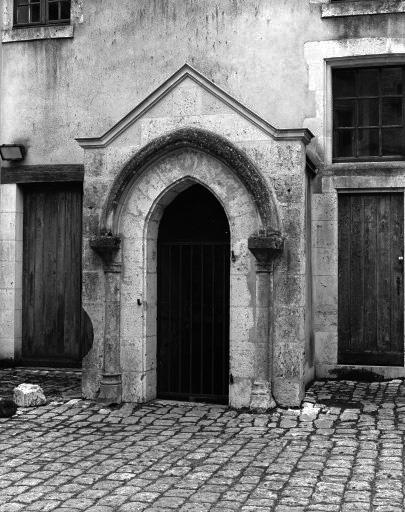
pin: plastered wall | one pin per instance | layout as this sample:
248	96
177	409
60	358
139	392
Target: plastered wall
54	90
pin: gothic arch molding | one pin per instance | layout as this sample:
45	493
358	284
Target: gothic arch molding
207	142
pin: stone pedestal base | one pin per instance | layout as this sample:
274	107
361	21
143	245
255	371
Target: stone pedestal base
110	388
261	399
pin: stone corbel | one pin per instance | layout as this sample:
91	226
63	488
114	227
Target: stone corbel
107	246
265	246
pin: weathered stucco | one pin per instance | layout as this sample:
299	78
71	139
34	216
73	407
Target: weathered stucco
60	89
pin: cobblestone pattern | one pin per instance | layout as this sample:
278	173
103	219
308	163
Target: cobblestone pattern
342	451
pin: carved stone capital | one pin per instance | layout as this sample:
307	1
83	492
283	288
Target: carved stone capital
265	246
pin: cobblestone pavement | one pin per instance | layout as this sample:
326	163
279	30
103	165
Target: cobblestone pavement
342	451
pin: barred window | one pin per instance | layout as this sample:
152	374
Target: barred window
368	113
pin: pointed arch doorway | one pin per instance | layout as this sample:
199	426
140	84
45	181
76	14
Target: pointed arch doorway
193	299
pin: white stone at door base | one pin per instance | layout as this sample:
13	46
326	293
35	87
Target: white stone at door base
29	395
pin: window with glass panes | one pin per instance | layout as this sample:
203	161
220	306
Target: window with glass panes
41	12
368	113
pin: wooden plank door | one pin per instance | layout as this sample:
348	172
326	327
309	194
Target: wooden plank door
52	231
370	283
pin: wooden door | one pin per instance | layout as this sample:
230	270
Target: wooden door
193	299
370	288
52	234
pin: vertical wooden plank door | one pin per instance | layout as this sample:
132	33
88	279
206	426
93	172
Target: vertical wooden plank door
52	231
193	299
370	282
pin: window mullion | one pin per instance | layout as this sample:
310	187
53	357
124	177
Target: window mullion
356	115
44	17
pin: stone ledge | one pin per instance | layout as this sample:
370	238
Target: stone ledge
362	7
16	35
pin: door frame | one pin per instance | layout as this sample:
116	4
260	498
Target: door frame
69	362
11	181
325	263
375	193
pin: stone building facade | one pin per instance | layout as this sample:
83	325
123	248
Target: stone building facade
123	109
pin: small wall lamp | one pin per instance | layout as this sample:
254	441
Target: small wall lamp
12	152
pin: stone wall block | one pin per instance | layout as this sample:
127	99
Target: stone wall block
187	99
91	378
7	348
131	227
10	200
130	357
95	192
164	108
290	289
7	274
93	286
326	347
288	392
294	259
242	323
138	205
324	207
132	324
151	186
325	317
243	224
91	261
240	391
94	162
132	386
289	324
150	354
91	220
324	262
293	222
212	105
289	360
7	250
290	189
324	234
242	359
325	290
8	226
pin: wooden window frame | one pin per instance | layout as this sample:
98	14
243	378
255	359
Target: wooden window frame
356	126
44	13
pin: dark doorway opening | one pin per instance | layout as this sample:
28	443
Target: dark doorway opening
193	299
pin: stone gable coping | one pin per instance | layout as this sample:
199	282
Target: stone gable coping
186	71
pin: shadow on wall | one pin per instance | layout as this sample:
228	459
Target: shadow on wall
356	374
87	334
